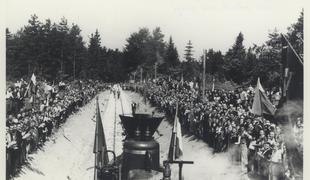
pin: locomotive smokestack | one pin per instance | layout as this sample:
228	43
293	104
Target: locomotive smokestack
140	150
144	123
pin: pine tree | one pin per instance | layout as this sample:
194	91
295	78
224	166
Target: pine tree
189	52
172	57
136	50
296	34
94	54
235	59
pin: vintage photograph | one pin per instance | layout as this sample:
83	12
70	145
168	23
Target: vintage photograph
157	90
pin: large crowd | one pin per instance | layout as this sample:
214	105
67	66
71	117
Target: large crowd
224	120
35	112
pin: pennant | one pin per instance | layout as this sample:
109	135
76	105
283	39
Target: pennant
176	146
100	147
34	79
213	84
182	79
261	104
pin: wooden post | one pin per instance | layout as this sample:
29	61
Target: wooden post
180	170
95	170
180	162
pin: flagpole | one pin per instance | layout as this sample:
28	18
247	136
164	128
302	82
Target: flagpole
292	49
95	171
261	104
175	133
174	141
96	134
180	171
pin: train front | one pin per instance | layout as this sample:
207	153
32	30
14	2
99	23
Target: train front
140	158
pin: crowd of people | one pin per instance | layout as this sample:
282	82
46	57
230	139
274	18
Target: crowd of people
35	110
224	120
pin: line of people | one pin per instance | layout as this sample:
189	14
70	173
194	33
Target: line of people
28	128
224	120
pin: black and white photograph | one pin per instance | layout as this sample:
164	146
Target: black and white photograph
153	90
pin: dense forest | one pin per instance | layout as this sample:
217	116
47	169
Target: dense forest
57	51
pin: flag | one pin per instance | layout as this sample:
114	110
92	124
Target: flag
47	88
182	79
34	79
176	146
261	104
32	87
100	147
213	84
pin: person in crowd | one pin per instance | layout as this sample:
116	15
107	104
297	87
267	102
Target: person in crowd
30	124
226	120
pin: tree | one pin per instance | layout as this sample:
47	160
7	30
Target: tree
157	46
189	52
234	60
134	51
191	69
94	56
55	51
63	32
77	51
296	34
31	39
13	69
155	52
172	57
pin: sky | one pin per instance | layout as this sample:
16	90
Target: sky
208	24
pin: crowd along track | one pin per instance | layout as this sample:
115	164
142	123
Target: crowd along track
72	157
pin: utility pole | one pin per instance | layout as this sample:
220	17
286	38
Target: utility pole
204	75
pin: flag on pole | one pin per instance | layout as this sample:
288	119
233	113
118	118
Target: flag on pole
100	147
176	146
182	79
34	79
261	104
213	84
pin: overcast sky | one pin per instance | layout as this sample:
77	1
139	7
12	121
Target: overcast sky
208	24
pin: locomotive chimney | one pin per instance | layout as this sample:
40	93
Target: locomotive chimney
140	150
